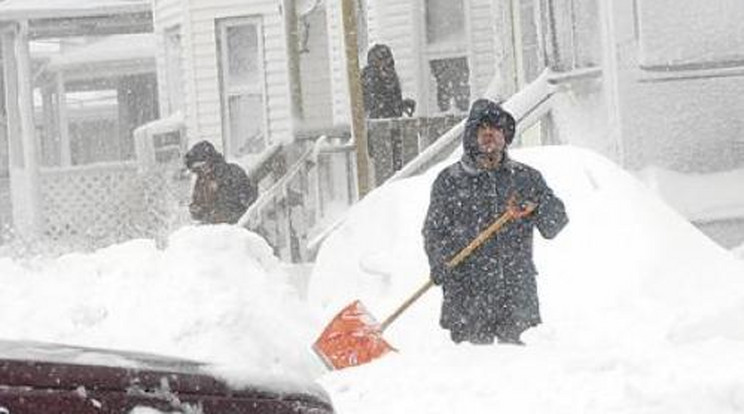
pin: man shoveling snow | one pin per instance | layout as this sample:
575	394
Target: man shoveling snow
492	294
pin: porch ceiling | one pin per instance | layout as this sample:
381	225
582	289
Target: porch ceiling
61	18
113	49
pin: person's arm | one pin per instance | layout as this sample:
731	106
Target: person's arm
437	226
238	192
550	215
202	204
196	211
248	191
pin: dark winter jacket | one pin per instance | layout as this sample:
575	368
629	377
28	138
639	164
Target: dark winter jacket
223	191
382	93
493	290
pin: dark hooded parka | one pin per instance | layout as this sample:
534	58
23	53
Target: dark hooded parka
492	293
222	191
382	93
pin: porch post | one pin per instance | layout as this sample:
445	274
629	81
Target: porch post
293	51
516	26
64	131
49	144
23	147
358	122
610	79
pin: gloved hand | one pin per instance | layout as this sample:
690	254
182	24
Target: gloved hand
408	107
197	211
520	209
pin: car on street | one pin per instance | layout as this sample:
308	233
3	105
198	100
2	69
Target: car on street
46	378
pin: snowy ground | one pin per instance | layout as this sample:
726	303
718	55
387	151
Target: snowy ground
642	312
699	197
216	293
713	201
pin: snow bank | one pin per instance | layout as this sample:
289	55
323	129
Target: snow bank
699	197
641	311
215	294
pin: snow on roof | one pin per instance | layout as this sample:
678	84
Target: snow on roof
698	197
109	49
39	9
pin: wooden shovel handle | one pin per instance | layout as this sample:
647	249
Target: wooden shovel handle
481	238
512	212
417	294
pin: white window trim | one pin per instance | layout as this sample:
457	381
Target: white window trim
429	52
222	24
168	34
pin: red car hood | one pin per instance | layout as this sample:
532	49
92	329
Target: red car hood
53	366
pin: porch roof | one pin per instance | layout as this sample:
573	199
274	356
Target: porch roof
140	46
12	10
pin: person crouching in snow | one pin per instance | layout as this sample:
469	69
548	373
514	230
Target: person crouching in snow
223	191
491	294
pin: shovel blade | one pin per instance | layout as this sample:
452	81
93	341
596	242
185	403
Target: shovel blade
352	338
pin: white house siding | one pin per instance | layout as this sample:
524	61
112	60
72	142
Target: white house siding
395	23
669	122
337	64
315	76
504	81
206	122
166	15
482	46
399	24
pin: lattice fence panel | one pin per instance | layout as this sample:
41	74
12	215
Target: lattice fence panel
107	203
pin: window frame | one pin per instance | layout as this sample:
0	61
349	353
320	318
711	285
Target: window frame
174	75
440	51
227	91
565	33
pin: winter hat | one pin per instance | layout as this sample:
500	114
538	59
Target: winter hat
485	111
380	53
202	151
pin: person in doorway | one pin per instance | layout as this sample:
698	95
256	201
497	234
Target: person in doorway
381	86
383	100
492	294
223	191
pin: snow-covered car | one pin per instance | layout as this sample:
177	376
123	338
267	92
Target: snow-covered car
49	378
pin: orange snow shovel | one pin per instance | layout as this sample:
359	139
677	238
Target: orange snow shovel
354	337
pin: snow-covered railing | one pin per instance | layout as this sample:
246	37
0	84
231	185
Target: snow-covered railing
91	206
528	106
304	197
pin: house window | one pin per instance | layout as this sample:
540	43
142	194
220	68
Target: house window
572	35
446	55
694	36
240	54
174	69
528	41
445	22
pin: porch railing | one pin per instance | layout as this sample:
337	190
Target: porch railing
315	189
393	143
529	106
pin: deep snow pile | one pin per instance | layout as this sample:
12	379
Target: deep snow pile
215	294
642	312
699	197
